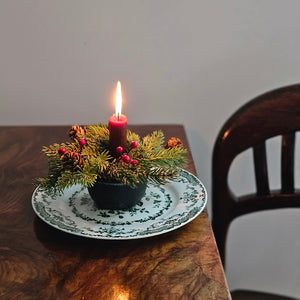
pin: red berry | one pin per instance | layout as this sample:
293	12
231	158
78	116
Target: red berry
133	162
82	142
125	158
119	149
133	144
62	151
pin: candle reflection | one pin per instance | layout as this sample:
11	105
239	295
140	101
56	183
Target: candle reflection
120	292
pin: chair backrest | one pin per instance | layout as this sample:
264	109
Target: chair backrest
275	113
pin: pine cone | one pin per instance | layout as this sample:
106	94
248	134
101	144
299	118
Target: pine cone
76	132
173	142
71	160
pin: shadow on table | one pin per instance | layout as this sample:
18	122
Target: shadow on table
56	240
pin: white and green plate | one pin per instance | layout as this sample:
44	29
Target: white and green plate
162	209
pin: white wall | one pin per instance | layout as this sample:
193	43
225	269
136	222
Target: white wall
190	62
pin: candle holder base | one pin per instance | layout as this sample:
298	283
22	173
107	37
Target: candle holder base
117	196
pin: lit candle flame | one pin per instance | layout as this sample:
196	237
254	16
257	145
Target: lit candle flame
118	100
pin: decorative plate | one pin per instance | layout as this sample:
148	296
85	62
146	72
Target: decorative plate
162	209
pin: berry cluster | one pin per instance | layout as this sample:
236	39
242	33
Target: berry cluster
124	157
76	159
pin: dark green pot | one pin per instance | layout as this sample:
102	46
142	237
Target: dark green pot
109	195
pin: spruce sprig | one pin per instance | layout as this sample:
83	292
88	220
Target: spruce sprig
87	159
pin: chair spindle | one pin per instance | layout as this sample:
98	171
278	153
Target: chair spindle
261	169
287	163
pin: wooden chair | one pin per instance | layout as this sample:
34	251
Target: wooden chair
275	113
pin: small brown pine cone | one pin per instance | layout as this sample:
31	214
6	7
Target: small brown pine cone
173	142
76	132
71	160
66	160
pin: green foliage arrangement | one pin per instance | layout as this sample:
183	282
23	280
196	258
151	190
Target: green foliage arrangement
87	159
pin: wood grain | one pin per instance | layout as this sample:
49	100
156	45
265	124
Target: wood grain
40	262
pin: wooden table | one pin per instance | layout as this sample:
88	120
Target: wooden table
41	262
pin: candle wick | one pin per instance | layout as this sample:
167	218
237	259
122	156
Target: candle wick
118	116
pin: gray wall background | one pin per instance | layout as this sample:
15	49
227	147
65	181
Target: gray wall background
189	62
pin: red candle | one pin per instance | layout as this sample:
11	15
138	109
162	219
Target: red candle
117	126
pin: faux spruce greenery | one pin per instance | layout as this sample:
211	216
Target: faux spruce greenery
86	159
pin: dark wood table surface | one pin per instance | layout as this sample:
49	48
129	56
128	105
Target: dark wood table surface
38	261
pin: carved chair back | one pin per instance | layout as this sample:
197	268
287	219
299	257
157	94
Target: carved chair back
275	113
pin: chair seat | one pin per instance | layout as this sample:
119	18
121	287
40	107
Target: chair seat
251	295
